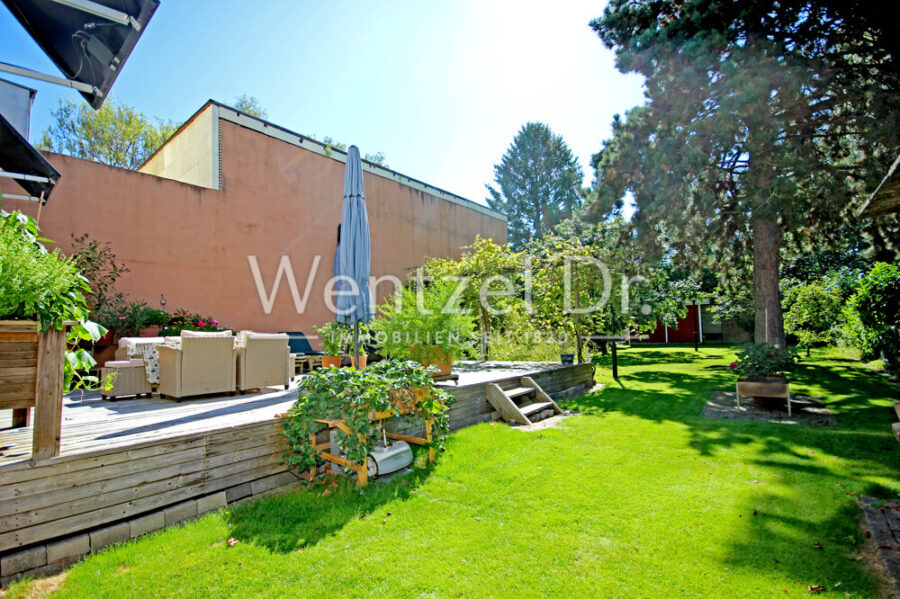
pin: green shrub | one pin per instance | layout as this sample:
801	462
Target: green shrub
813	314
413	327
762	359
36	284
334	337
97	263
872	315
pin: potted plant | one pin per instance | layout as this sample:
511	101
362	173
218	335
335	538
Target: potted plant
351	349
154	320
426	325
182	320
761	369
43	318
334	341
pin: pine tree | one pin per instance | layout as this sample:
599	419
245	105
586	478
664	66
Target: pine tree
765	122
538	183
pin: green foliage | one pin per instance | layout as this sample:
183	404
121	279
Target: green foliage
97	263
182	320
79	361
378	158
250	105
136	315
538	183
814	313
116	134
36	284
607	276
420	322
352	395
761	359
762	120
872	315
492	285
335	337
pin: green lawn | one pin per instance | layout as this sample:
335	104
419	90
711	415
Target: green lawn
636	497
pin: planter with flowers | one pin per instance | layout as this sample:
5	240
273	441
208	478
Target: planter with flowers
183	320
762	369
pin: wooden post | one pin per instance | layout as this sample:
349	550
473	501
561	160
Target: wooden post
21	417
312	471
49	394
362	474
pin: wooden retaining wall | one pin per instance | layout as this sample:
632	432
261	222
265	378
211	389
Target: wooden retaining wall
47	499
73	493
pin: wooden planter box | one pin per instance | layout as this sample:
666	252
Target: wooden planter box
770	386
31	376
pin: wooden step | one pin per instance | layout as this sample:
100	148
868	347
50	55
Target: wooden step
511	393
537	407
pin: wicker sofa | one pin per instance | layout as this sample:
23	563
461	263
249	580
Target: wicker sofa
263	360
204	363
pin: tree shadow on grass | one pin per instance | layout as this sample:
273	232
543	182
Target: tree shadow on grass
302	518
804	530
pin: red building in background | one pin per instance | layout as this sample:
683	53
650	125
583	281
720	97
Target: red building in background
699	321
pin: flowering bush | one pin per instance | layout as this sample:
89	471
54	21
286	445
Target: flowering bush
183	320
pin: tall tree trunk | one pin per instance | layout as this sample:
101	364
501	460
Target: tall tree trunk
766	295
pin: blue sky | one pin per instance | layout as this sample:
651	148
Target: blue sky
440	87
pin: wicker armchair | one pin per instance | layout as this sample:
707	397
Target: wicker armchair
263	361
205	363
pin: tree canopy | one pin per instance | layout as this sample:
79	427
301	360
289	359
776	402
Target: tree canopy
251	105
115	134
763	120
538	183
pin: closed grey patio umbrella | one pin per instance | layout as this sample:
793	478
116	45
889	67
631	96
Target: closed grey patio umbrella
354	252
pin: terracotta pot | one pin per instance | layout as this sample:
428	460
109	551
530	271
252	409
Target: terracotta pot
363	358
329	361
107	339
149	331
766	391
430	355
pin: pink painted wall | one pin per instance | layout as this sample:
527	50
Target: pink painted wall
276	199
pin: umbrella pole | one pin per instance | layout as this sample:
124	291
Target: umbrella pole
356	341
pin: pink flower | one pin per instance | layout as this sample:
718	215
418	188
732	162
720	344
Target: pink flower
201	323
733	365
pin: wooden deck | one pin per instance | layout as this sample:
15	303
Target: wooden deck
92	424
125	459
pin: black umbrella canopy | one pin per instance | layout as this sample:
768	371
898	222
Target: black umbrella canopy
18	156
86	47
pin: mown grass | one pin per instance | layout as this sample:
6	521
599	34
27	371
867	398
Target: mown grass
638	496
